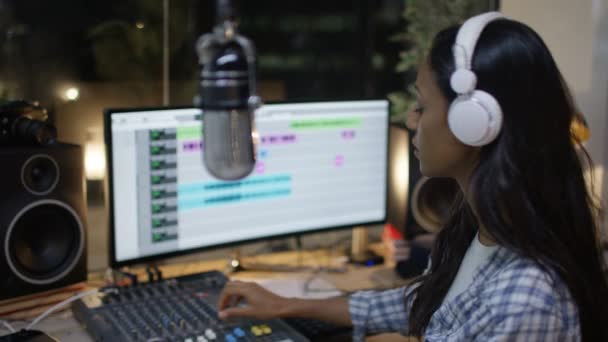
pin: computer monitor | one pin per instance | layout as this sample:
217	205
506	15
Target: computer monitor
320	166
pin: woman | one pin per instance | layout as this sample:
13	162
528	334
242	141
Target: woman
519	259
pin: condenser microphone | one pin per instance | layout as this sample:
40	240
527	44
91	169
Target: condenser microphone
227	97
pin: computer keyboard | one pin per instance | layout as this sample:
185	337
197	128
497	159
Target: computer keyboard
178	309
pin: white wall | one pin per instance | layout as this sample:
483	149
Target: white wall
576	32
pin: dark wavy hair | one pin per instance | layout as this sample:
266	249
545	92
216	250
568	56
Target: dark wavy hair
528	188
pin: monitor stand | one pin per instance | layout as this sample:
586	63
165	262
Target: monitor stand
236	264
360	252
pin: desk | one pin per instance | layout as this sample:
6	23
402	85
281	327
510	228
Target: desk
66	328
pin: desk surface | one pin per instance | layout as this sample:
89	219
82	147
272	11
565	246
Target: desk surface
64	327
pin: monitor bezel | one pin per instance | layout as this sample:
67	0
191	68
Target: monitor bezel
152	258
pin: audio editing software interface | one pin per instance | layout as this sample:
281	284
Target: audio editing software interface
319	165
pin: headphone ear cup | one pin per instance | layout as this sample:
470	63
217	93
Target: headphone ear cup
475	119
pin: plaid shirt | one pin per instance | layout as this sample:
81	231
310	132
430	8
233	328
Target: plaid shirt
510	299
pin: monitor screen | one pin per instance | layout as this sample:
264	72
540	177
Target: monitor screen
320	166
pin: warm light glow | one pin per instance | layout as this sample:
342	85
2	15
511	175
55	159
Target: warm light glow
255	136
94	161
234	263
140	25
72	93
401	172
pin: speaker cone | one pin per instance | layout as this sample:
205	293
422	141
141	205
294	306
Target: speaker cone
40	174
432	201
44	242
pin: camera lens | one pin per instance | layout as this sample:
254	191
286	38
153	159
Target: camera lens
46	134
35	131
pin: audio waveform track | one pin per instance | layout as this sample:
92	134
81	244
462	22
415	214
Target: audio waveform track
215	185
278	139
339	160
260	167
348	135
189	133
232	198
192	146
314	124
198	195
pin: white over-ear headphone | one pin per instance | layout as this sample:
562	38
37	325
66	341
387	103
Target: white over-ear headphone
474	117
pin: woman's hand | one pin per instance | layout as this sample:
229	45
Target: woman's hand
259	302
263	304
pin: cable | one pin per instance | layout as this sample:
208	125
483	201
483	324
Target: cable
132	276
306	287
59	305
299	248
8	326
151	275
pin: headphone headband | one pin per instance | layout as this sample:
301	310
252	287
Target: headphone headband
464	47
468	35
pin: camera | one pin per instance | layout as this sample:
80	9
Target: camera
24	122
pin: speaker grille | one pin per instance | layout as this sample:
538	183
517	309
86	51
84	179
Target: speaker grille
44	242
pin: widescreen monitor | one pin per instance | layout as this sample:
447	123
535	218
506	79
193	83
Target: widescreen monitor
320	166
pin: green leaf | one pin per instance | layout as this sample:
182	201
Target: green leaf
424	18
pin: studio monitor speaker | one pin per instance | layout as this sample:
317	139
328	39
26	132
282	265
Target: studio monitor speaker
42	218
415	203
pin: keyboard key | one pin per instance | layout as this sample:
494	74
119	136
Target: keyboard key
210	334
239	332
256	331
266	330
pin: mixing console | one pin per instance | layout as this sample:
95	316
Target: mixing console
177	309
